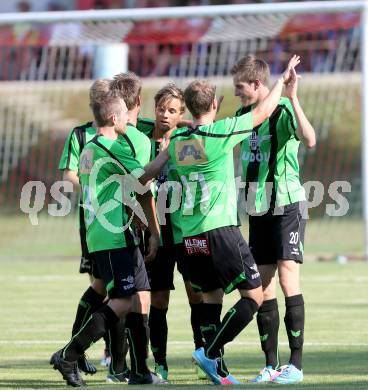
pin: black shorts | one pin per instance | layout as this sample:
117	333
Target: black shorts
278	237
161	269
220	258
86	261
122	270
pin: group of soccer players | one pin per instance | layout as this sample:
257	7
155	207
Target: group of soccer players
191	164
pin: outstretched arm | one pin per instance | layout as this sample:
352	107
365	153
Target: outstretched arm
266	107
152	169
305	130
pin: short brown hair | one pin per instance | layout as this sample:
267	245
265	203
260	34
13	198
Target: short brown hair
170	91
99	89
128	85
250	69
198	96
105	108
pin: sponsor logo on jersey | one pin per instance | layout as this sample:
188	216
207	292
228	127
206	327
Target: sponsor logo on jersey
197	245
255	154
190	152
86	161
255	140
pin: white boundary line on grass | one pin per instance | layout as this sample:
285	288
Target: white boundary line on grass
189	343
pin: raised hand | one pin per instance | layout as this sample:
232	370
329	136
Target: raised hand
293	62
291	86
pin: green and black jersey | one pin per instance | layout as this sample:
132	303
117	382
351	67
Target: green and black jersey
270	161
74	144
73	147
170	231
81	135
204	160
101	163
139	144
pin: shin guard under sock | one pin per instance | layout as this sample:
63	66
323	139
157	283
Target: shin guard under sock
294	322
268	321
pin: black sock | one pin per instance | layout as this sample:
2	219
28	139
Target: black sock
210	321
195	320
88	304
294	322
117	347
138	342
158	334
234	321
268	322
94	328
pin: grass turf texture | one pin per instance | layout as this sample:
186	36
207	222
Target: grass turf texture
58	237
38	306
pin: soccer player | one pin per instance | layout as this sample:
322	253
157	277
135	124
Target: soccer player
218	256
113	250
276	201
169	109
128	87
69	162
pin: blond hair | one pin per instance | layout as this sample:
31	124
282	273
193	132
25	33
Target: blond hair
99	89
249	69
128	86
198	96
168	92
104	109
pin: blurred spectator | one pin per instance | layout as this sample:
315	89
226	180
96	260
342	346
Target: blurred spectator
55	6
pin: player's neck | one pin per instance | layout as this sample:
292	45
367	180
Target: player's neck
133	116
160	134
108	132
206	119
263	93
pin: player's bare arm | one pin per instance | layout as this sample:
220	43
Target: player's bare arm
148	204
72	176
266	107
152	169
305	130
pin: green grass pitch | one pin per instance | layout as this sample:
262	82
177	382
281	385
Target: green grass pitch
39	298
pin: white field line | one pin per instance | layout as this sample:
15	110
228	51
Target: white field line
188	343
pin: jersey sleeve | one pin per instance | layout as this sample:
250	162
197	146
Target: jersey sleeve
234	130
70	156
145	157
145	126
288	119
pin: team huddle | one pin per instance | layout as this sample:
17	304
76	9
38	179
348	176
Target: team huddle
155	192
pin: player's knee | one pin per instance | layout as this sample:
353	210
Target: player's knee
160	299
255	294
289	286
214	296
289	283
99	286
141	302
121	306
194	298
